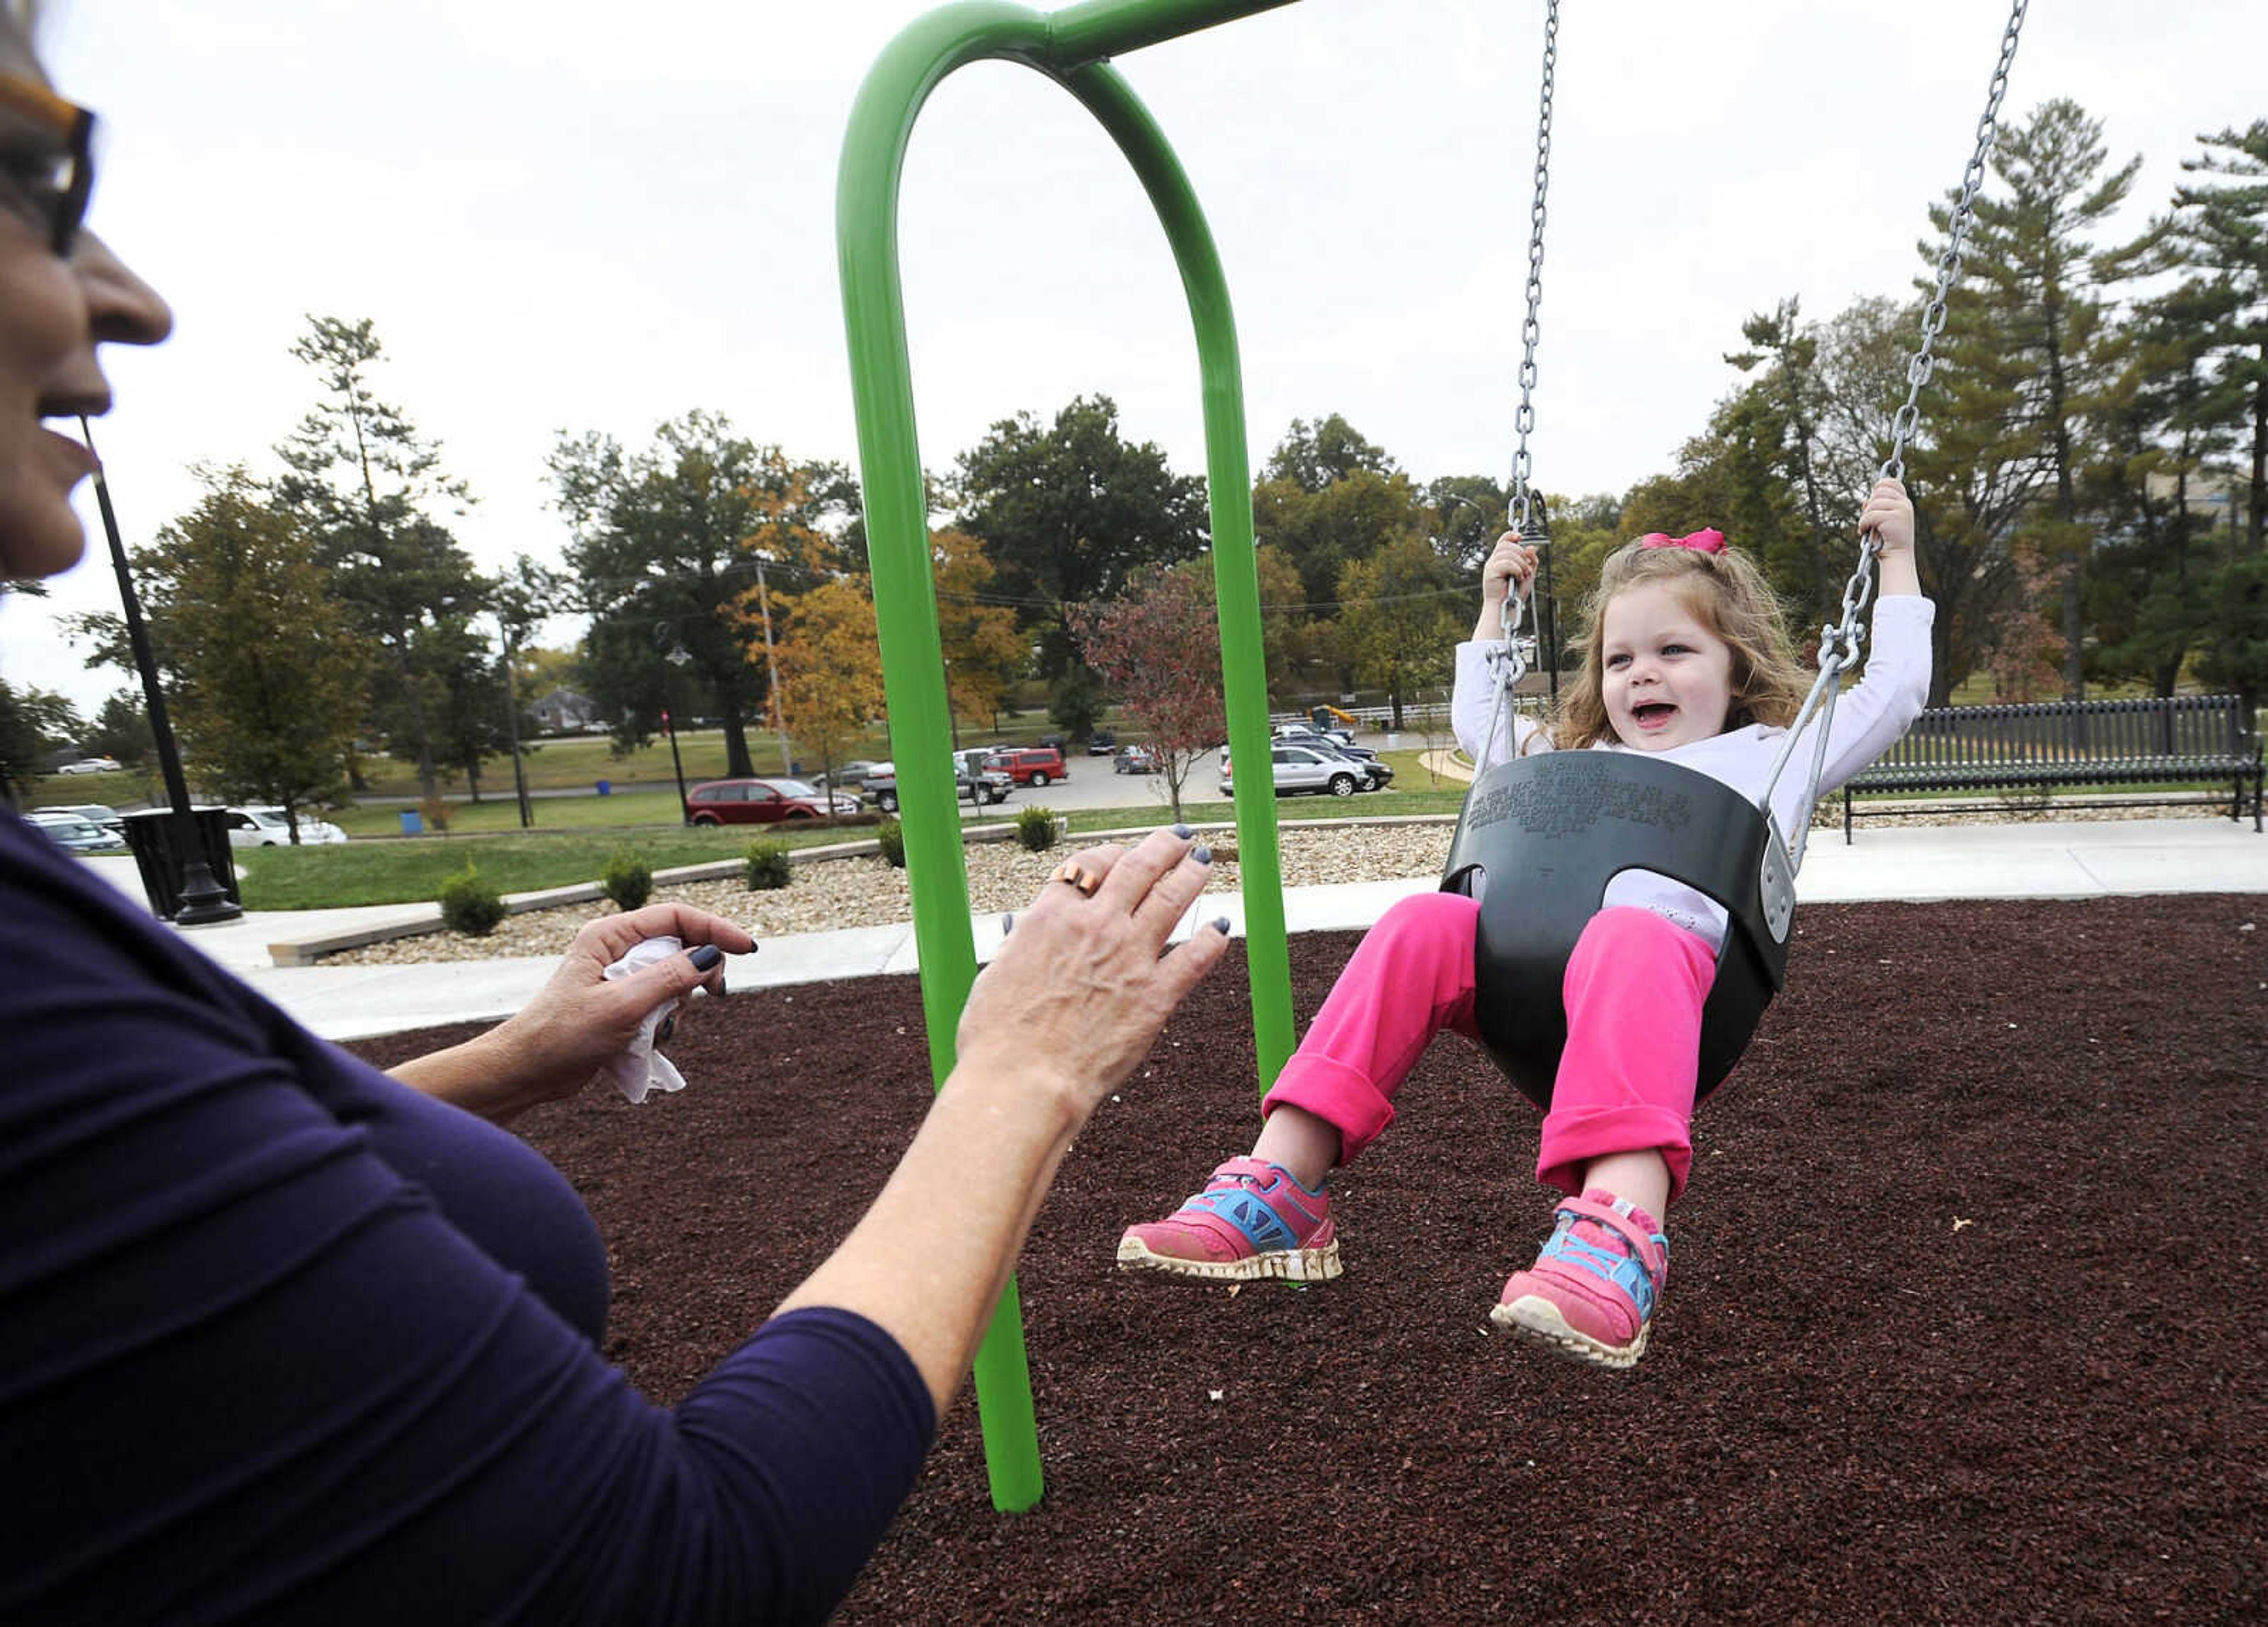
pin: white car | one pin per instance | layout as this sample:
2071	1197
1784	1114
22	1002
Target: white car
1300	767
91	765
251	828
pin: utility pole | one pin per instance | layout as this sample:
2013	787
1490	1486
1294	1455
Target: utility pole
512	715
771	672
203	899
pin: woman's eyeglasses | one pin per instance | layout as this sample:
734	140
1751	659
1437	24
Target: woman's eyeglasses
46	158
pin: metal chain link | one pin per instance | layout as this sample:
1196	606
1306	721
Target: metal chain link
1531	330
1923	364
1511	661
1839	642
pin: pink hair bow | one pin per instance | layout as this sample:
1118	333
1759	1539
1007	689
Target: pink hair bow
1701	541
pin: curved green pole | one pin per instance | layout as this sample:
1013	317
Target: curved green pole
1065	47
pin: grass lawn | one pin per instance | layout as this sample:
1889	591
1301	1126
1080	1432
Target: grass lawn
412	869
657	807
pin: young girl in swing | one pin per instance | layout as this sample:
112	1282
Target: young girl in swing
1685	654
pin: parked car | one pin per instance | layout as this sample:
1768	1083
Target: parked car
1038	766
1136	760
975	785
1307	734
91	765
1300	767
1376	774
847	776
69	830
267	827
93	813
762	802
1101	743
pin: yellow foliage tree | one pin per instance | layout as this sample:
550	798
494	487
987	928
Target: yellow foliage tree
983	651
830	668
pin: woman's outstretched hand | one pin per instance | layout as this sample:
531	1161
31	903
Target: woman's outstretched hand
1085	982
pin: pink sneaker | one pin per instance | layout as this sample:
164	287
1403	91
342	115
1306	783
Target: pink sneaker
1252	1220
1591	1293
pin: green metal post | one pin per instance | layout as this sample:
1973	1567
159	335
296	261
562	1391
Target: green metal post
1066	46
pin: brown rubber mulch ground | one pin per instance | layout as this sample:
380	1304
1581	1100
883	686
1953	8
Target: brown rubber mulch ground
1965	1321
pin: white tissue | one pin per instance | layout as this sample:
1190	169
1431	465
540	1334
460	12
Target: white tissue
641	1068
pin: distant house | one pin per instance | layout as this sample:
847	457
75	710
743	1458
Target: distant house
563	712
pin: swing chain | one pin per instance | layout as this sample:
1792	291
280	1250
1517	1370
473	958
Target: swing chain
1923	363
1531	330
1840	642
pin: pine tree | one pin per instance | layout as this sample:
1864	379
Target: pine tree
2224	231
360	481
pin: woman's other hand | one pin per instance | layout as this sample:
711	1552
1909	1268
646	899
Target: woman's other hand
557	1043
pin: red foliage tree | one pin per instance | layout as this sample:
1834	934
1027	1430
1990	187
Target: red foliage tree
1158	644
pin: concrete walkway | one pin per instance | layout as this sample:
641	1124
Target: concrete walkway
1919	864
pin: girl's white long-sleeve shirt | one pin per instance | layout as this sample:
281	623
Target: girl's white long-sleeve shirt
1868	720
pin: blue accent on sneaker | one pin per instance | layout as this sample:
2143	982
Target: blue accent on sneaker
1250	1213
1613	1263
1262	1227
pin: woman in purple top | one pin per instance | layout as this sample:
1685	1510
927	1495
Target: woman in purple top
285	1339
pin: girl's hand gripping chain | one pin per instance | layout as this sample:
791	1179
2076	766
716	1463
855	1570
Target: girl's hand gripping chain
1511	568
1511	564
1890	515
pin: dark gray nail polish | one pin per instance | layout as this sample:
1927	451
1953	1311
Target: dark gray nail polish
1007	922
1203	855
705	958
1183	832
1221	926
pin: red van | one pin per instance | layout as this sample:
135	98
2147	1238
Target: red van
1030	765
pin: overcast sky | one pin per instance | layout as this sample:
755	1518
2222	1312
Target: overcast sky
581	215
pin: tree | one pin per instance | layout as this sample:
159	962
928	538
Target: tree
1471	512
122	729
2224	229
265	671
830	670
1327	497
1790	402
1158	642
36	725
2044	287
2235	655
1403	616
1068	512
983	651
359	480
1293	637
658	548
2159	427
1313	456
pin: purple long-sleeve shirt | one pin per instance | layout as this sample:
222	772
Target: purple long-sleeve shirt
281	1339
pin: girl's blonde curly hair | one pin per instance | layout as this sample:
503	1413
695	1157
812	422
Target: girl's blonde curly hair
1731	597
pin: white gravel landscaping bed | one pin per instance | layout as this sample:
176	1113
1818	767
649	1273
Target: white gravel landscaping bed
826	896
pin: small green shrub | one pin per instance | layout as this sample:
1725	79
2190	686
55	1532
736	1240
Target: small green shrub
768	870
470	905
891	836
1035	828
629	880
435	813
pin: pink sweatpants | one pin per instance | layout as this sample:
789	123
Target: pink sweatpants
1634	989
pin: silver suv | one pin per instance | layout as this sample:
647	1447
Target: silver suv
1302	768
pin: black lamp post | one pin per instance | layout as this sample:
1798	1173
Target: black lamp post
677	655
203	900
